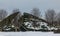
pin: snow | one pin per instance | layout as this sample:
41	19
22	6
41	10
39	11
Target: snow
41	24
28	34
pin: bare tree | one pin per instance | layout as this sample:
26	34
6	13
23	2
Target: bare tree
3	14
36	12
58	19
50	16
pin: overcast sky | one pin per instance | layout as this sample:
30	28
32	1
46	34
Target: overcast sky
27	5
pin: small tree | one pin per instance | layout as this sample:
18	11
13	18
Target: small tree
3	14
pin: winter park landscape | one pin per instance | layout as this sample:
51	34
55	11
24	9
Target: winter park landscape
29	17
27	29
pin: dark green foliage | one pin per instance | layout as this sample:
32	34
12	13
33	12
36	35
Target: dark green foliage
8	20
27	15
23	18
22	28
43	26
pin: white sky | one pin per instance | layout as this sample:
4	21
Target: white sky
27	5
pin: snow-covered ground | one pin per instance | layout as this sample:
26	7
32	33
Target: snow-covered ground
28	34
